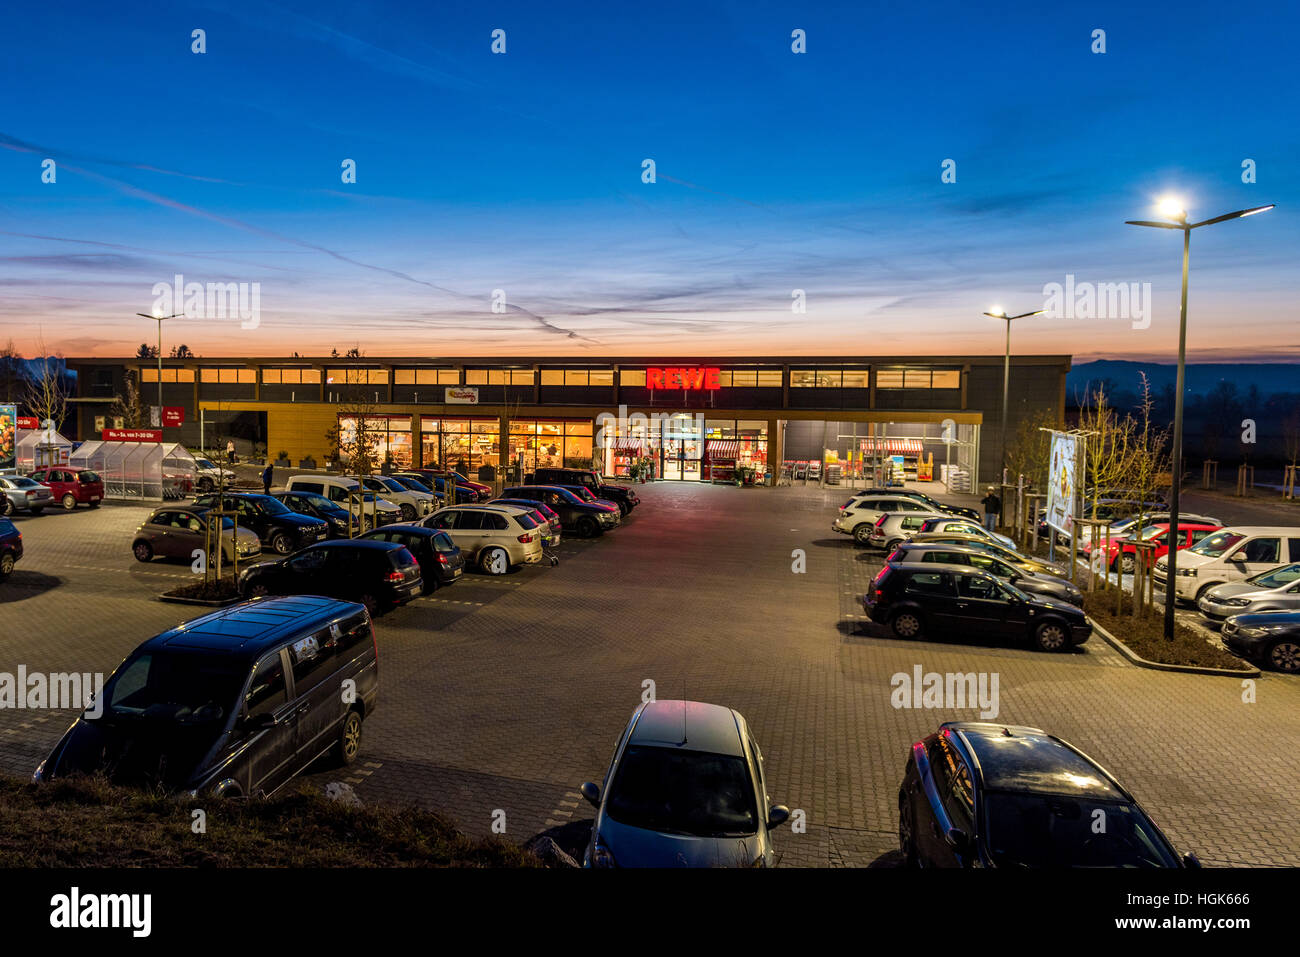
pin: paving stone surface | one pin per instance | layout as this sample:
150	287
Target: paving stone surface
504	695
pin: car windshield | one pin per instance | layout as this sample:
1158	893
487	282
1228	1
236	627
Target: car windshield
24	483
1217	544
414	484
392	484
1151	532
269	505
443	543
683	792
204	464
86	475
583	494
1049	830
175	687
1277	577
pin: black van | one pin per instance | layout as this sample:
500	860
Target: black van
235	703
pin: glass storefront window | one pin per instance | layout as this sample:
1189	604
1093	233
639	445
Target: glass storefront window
388	437
719	429
856	379
461	444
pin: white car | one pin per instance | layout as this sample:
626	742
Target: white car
895	527
208	475
964	526
859	514
412	503
1230	555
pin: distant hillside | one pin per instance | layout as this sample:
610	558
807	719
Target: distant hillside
1201	377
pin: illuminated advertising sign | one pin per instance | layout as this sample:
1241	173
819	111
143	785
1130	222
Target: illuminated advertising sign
132	435
676	377
8	435
1062	482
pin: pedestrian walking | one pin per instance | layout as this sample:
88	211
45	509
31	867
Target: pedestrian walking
992	509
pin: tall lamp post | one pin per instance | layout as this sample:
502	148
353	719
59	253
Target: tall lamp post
998	313
160	320
1173	209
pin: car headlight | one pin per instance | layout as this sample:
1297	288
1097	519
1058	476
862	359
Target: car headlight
1257	632
602	856
1187	572
1235	602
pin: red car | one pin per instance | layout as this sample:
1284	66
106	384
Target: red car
71	486
1124	553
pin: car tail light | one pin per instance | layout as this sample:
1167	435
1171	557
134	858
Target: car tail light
396	577
442	559
525	538
881	521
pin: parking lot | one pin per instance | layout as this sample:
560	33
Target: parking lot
504	694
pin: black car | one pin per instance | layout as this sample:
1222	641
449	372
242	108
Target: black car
379	575
1268	637
277	526
991	795
960	599
621	495
440	560
232	704
585	518
1046	586
337	519
11	547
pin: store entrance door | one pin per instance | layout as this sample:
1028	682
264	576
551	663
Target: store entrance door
682	455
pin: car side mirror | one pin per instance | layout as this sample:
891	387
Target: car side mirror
958	840
777	815
591	792
1192	861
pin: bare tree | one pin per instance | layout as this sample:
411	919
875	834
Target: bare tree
1030	448
47	391
1110	447
353	441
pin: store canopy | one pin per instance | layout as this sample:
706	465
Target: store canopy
723	448
891	446
627	445
39	447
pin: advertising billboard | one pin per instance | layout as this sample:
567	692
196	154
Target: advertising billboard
1062	482
8	437
462	395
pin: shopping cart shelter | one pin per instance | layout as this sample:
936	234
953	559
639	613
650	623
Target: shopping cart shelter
697	419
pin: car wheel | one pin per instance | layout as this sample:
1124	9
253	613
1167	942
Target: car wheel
69	501
281	544
587	527
907	831
93	504
408	512
205	485
862	534
1051	636
256	590
6	565
907	624
1284	655
1127	564
349	743
624	508
36	509
494	561
142	551
371	603
891	545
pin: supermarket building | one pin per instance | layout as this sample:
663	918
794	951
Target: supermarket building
709	417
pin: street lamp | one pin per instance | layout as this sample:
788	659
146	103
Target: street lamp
999	313
1173	209
160	320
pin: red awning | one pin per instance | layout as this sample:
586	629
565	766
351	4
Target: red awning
891	446
723	448
627	445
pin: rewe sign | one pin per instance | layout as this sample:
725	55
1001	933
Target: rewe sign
676	377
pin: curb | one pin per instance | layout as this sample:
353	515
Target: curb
206	602
1136	659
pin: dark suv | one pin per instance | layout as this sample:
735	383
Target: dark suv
992	795
232	704
1031	583
587	519
11	547
277	526
622	496
959	599
379	575
340	522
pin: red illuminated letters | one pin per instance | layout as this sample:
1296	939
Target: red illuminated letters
675	377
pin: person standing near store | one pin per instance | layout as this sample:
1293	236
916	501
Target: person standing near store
992	509
230	452
267	474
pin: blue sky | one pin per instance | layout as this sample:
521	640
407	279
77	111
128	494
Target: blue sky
522	172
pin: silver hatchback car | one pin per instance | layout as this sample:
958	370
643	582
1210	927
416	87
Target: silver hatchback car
685	789
1277	589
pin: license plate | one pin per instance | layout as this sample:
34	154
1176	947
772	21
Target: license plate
94	498
457	573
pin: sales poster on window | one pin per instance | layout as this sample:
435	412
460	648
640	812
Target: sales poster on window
1062	482
8	430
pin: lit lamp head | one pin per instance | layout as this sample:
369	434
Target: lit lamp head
1173	208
